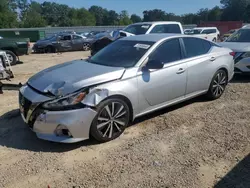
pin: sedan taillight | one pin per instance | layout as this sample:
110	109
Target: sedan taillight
232	54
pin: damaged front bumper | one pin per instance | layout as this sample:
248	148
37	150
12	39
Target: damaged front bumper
67	126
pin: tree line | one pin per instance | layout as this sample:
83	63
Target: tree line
28	13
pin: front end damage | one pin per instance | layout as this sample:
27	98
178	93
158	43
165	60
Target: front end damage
65	126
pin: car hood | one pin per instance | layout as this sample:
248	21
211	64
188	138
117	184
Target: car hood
67	78
237	46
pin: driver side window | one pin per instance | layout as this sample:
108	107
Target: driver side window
66	37
168	51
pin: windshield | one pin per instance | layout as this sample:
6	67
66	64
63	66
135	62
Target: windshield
138	29
242	35
122	53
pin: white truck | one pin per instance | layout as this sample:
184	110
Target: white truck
209	33
142	28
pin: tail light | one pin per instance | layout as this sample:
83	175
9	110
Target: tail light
232	54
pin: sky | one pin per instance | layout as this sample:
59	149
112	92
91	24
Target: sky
138	6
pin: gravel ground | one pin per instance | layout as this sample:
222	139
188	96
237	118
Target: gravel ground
194	144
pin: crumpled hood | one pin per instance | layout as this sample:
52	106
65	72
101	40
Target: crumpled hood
67	78
237	46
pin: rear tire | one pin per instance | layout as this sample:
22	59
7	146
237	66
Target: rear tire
218	85
111	120
12	57
86	47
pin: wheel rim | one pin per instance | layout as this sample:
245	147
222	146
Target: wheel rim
85	46
112	120
10	57
219	84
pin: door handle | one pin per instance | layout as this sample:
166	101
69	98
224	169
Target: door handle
212	59
180	71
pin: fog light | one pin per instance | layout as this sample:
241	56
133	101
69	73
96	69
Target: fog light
62	130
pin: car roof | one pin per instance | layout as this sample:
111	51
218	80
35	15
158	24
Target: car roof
156	22
151	37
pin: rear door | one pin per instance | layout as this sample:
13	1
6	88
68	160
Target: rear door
200	64
77	42
65	43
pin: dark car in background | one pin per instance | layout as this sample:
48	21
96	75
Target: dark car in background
61	43
15	47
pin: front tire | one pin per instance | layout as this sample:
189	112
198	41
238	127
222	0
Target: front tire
111	120
218	85
12	57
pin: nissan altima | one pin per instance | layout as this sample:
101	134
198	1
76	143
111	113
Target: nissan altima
129	78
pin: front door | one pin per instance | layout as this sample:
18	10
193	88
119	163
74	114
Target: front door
166	84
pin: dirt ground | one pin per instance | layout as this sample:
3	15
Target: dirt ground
195	144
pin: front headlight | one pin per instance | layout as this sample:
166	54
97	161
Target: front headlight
65	102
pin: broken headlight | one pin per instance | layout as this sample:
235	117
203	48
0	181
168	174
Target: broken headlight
65	102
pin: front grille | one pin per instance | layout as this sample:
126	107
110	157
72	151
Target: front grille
25	104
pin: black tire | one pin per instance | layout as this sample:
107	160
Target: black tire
12	57
217	85
214	40
106	122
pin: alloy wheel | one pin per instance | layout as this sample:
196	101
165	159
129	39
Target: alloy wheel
86	47
219	84
112	120
10	57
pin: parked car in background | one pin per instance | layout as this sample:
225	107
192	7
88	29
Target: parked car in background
15	47
239	42
131	77
140	28
228	34
60	43
209	33
187	31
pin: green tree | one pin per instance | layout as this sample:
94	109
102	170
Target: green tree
135	18
154	15
234	10
124	18
8	18
111	18
215	14
100	14
32	16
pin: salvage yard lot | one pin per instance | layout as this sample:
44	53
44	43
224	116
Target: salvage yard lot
195	144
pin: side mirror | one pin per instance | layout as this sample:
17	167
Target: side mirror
154	64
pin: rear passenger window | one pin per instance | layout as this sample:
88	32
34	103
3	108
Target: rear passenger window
195	47
167	52
166	28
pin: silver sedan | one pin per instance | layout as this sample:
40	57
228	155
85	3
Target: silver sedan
129	78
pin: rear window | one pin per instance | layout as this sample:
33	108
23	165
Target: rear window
195	47
242	35
138	29
166	28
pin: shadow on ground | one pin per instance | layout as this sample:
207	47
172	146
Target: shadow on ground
14	133
239	176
